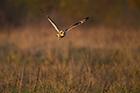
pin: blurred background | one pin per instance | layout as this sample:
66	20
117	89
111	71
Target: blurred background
110	12
112	22
100	56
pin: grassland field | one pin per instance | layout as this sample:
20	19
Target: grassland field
87	60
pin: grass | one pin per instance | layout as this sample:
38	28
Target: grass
90	64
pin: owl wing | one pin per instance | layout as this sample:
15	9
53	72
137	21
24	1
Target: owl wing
54	25
77	24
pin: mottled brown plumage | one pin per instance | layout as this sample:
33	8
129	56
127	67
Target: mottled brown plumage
61	33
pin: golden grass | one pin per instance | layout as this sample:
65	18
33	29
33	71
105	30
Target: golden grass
94	37
94	60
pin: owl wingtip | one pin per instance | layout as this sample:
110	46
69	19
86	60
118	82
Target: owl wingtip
87	17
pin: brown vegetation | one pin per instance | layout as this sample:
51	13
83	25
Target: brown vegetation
94	60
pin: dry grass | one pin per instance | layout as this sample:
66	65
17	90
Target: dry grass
99	60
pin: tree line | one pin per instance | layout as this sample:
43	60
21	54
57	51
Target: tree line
102	11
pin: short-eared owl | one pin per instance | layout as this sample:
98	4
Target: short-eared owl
61	33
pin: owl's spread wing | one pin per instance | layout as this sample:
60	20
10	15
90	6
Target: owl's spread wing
54	25
77	24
